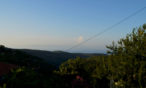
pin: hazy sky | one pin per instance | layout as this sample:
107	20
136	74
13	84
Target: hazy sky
60	24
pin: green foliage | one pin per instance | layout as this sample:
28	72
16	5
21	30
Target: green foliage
4	86
70	67
90	69
22	77
127	59
125	64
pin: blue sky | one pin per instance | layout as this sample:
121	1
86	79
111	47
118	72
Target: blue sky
60	24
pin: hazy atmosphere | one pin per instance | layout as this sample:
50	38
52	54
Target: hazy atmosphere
59	25
72	43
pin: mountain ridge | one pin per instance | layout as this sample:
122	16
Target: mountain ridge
57	57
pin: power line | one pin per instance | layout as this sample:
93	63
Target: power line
107	29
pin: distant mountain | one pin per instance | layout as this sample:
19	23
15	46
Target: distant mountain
17	57
57	57
30	57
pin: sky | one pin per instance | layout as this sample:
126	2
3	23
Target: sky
61	24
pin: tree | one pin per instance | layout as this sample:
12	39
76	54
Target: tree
93	69
22	77
127	59
125	64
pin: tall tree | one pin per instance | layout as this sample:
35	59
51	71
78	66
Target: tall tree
127	60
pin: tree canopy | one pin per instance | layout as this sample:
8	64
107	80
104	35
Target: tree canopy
125	63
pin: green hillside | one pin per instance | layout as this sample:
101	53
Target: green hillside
57	57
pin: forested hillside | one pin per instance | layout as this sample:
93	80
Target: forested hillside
57	57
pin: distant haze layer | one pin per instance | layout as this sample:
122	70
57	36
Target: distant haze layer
59	25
